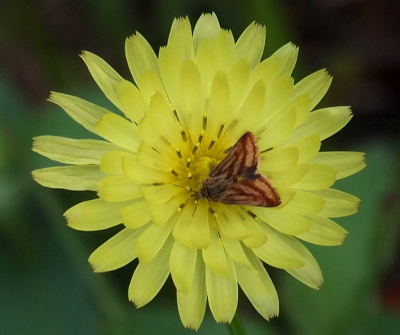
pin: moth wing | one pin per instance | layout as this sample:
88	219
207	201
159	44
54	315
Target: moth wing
256	191
242	156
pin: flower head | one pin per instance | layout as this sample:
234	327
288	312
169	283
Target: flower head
189	107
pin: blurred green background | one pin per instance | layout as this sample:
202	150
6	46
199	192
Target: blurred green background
46	284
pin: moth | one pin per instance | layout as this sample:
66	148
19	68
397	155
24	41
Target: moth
236	180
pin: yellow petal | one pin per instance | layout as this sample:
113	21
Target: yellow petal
169	128
132	102
279	159
338	203
324	122
149	84
94	214
315	85
112	162
250	45
238	79
116	252
287	56
140	56
307	147
214	256
192	92
218	107
310	273
306	203
119	131
71	151
83	112
318	177
207	27
140	174
192	306
254	102
183	264
345	163
228	223
136	215
236	250
75	177
277	129
259	289
117	188
287	177
222	293
180	38
149	278
104	75
170	68
324	232
268	70
199	233
152	240
283	220
257	235
164	201
280	250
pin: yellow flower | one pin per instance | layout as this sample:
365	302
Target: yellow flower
190	104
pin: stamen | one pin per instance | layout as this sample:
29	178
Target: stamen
220	131
181	207
188	163
201	136
204	122
190	176
184	137
269	149
176	116
227	150
158	184
174	172
251	214
212	212
195	148
211	144
178	152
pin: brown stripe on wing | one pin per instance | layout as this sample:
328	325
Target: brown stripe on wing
242	156
256	191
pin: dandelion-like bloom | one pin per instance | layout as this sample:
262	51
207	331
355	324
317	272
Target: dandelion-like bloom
189	106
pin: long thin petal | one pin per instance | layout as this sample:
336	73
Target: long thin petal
71	151
192	306
152	240
259	289
116	252
180	38
119	131
345	163
94	214
118	188
104	75
70	177
338	203
250	44
222	293
207	27
315	85
83	112
150	277
182	263
323	232
214	256
140	56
